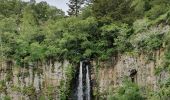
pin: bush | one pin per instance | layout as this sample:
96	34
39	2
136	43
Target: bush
65	85
30	90
7	98
129	91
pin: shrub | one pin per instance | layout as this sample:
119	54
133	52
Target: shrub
129	91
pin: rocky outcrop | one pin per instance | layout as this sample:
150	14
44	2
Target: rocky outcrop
33	82
137	68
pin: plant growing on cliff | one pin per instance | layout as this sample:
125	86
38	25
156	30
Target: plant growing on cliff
65	84
50	91
2	86
7	97
163	93
29	90
128	91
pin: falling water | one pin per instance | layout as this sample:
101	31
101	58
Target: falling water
87	84
80	86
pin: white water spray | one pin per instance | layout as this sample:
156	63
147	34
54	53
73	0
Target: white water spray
80	86
87	84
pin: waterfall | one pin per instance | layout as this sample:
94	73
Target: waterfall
87	83
80	86
83	82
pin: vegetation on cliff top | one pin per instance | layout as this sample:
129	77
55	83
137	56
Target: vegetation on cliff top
36	31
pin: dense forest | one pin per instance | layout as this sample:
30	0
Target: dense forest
32	33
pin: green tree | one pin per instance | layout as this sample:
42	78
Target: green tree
43	12
74	6
10	7
27	30
8	34
112	10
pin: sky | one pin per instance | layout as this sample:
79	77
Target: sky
61	4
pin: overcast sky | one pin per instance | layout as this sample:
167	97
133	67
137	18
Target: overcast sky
61	4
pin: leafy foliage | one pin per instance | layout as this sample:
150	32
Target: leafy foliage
129	91
112	10
66	83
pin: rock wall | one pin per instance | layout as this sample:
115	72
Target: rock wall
110	74
33	82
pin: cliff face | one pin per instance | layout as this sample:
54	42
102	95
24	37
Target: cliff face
44	81
110	74
32	82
